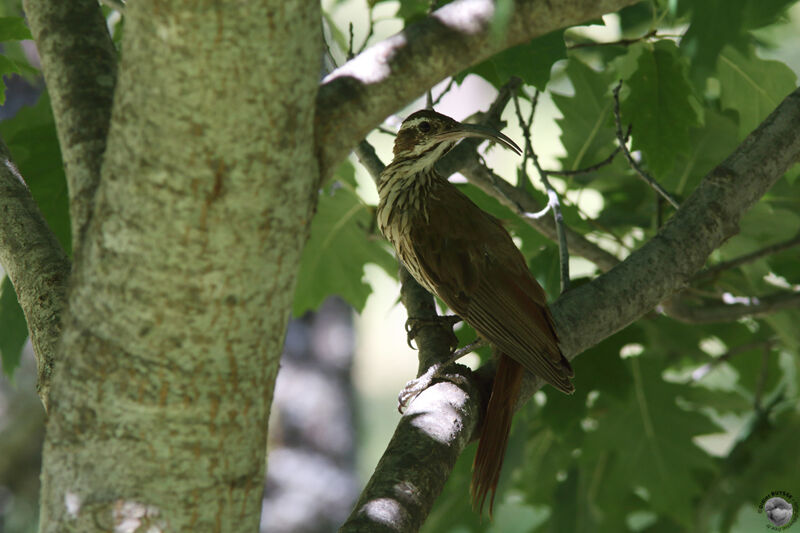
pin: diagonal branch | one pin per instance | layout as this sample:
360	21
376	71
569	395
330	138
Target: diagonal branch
36	265
358	96
621	138
521	202
433	431
702	371
720	311
747	258
80	67
665	264
553	202
465	159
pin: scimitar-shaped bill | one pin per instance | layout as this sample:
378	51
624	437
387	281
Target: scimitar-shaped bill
474	130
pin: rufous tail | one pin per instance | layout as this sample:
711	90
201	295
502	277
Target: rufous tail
494	434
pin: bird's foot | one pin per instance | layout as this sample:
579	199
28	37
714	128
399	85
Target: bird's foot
415	387
469	348
414	325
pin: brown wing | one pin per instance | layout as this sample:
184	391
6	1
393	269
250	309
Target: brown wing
478	272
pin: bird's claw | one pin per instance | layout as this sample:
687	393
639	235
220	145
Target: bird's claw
415	387
414	325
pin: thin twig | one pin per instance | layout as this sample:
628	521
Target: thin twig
592	168
370	31
332	59
621	42
747	258
729	308
350	54
704	370
367	156
644	175
469	348
464	158
552	196
444	92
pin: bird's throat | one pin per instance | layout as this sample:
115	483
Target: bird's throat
403	199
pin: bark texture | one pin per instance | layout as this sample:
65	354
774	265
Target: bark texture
179	298
81	91
665	264
36	265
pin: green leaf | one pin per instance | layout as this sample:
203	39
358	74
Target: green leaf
714	24
709	144
645	441
13	29
411	10
752	87
765	460
587	131
717	23
339	247
531	61
760	13
6	67
635	17
661	105
722	401
13	328
31	138
546	268
9	66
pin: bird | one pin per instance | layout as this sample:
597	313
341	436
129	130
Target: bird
466	257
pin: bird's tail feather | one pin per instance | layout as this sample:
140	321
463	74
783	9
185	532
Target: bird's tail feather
494	434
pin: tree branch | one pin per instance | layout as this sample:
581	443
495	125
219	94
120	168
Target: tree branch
710	215
80	67
622	138
720	311
553	202
465	159
747	258
701	372
433	431
37	266
520	202
358	96
431	435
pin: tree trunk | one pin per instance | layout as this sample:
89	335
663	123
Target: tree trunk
183	281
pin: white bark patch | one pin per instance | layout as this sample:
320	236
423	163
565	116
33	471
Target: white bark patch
73	504
466	16
382	510
133	517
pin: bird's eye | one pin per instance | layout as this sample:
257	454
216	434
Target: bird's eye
424	127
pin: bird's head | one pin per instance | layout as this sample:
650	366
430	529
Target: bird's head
426	135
